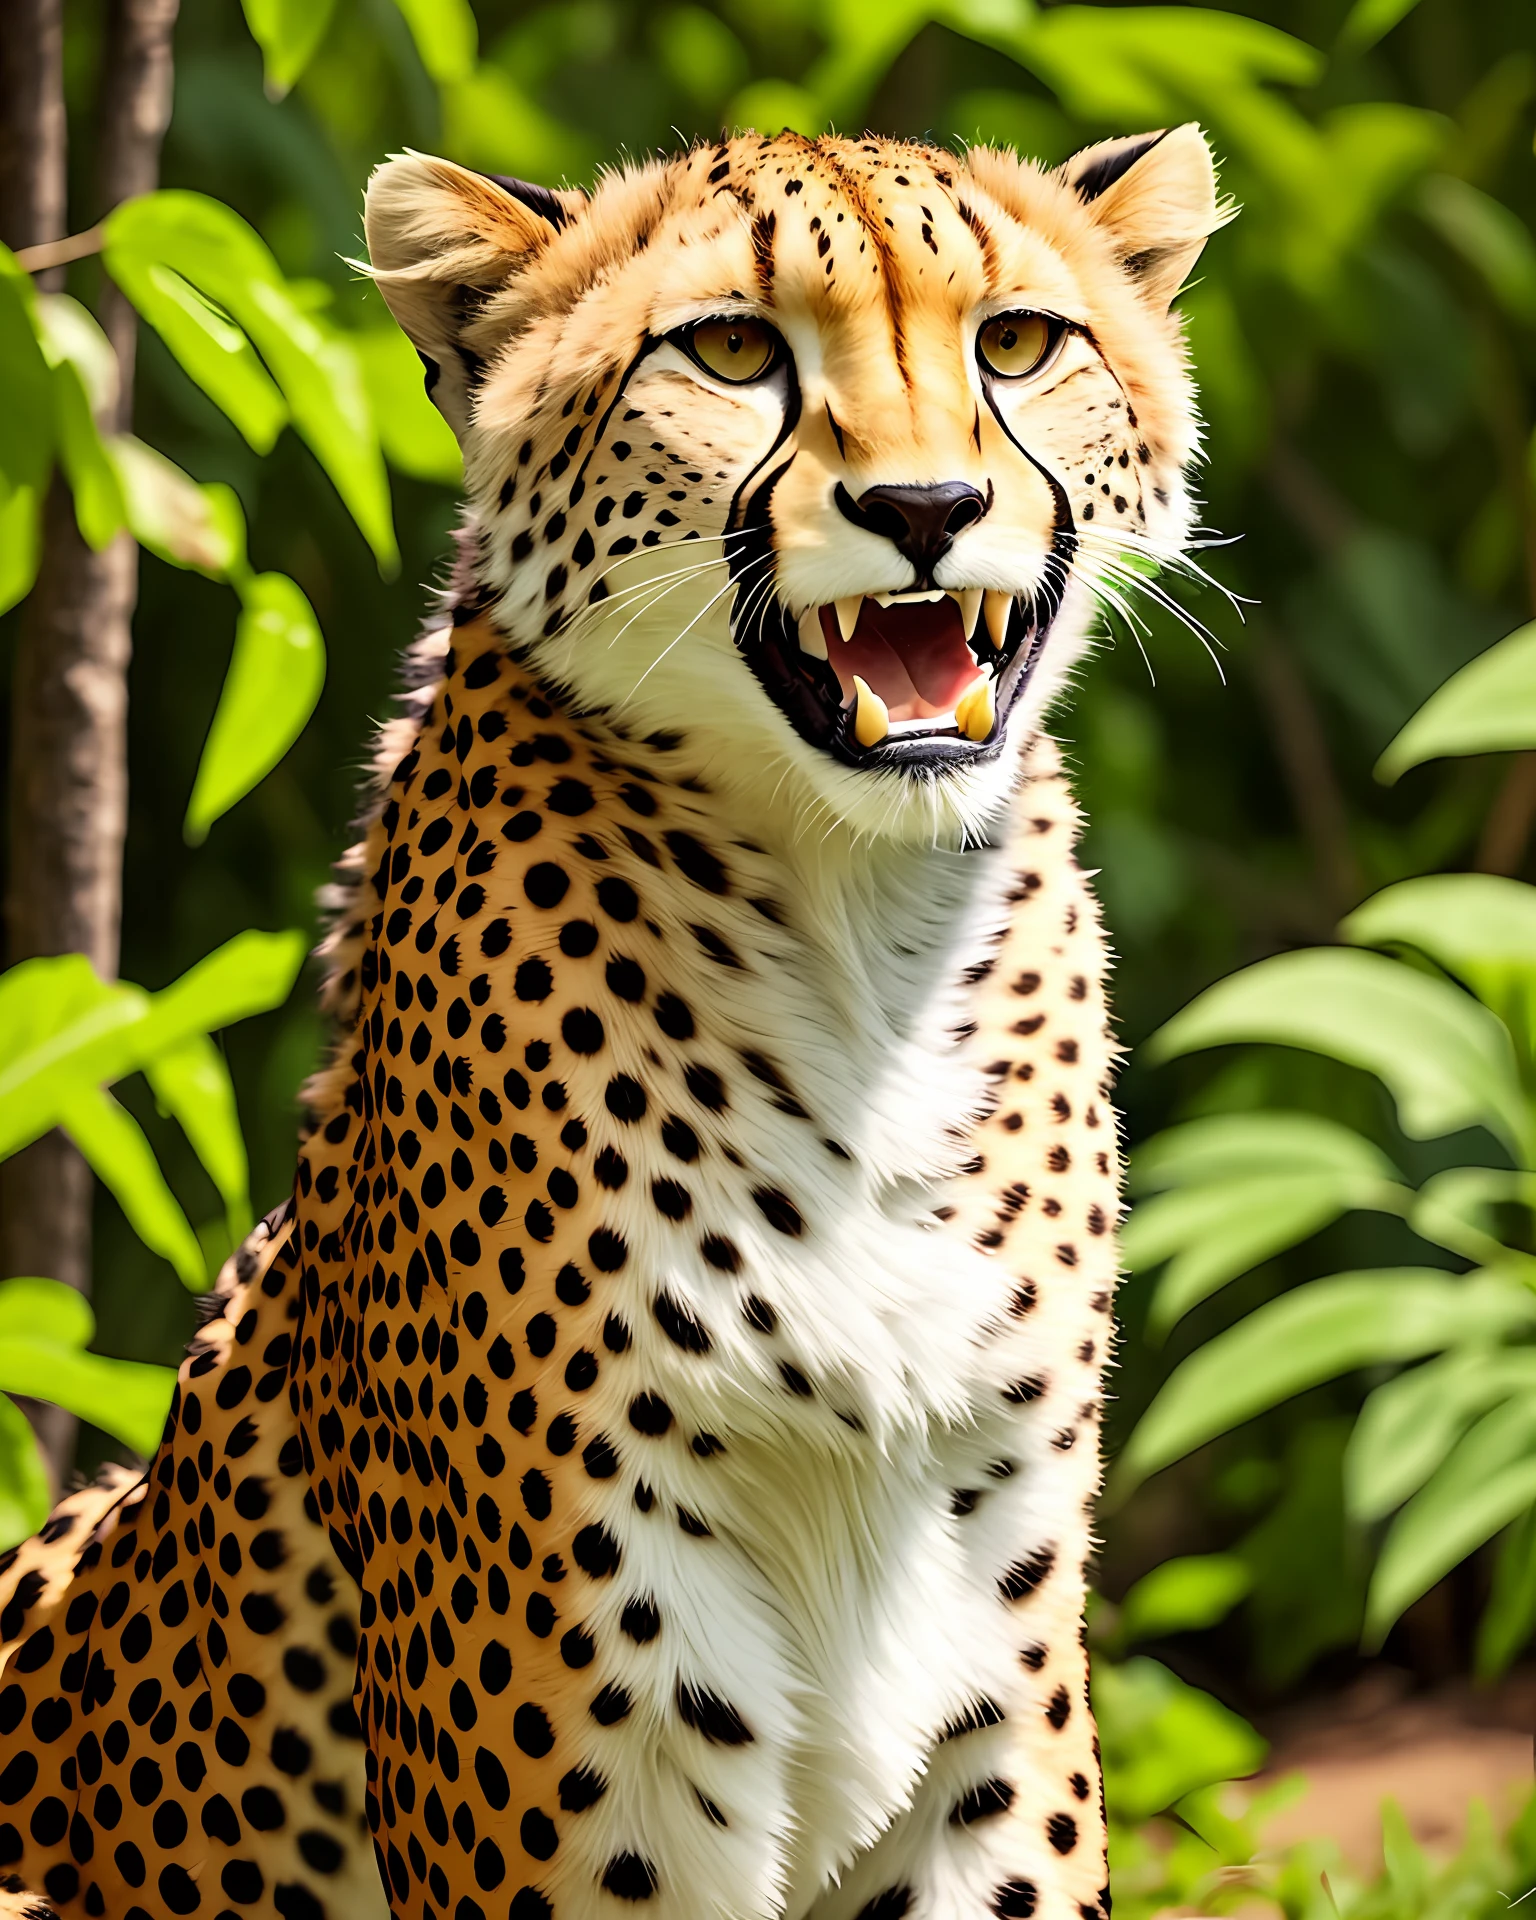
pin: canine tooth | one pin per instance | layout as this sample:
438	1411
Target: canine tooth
812	640
871	716
847	610
968	599
997	606
976	710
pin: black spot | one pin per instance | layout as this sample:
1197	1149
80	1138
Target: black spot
679	1325
990	1797
1015	1900
718	1721
628	1877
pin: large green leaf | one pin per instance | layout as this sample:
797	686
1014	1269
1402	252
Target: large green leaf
1488	1481
44	1329
213	350
288	33
192	1082
226	263
67	1030
1237	1146
1162	1738
275	676
1409	1424
23	1477
123	1160
27	418
1183	1596
1509	1619
186	524
20	543
445	34
85	379
416	438
1315	1333
1478	926
1447	1061
1489	707
1369	20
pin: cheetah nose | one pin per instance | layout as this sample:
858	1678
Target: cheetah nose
921	522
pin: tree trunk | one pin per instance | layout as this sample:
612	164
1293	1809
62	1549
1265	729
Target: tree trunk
69	699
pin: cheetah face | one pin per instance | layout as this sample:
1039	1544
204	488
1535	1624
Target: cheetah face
814	453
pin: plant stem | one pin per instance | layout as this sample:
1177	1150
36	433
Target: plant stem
69	700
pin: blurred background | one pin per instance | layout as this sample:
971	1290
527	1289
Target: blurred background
1365	343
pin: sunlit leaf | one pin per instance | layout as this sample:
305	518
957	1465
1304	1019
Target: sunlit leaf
182	522
214	352
1183	1595
1446	1060
123	1160
1478	926
288	32
1488	707
1162	1738
1369	20
1490	236
44	1329
1509	1619
1458	1208
27	418
1488	1480
1408	1425
274	680
1315	1333
21	536
232	277
192	1083
445	34
249	974
23	1477
1237	1146
416	438
100	511
490	122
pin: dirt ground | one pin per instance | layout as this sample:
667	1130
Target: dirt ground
1433	1753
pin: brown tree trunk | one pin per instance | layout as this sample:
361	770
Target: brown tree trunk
69	698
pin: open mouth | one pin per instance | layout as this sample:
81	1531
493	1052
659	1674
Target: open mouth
916	680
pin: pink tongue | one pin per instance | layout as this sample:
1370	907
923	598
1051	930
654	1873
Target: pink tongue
914	657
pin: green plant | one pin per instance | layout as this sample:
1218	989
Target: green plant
1434	994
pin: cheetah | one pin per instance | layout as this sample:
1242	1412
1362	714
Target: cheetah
648	1464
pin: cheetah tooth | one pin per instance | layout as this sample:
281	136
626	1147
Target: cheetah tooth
997	607
871	716
976	710
968	600
847	610
812	640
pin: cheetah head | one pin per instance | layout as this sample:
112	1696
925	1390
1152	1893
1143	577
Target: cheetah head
814	453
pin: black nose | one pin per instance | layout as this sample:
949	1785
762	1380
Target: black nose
921	522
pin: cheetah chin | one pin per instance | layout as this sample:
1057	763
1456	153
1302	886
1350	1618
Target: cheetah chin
649	1461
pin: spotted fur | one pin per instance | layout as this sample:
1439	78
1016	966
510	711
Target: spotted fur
650	1461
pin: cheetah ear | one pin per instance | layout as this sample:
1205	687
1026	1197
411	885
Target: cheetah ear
443	242
1156	195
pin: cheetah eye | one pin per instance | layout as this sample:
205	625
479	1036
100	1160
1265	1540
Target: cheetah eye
1014	344
734	350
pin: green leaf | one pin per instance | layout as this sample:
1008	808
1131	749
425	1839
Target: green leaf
1214	1233
201	527
231	271
1488	707
1183	1595
27	418
1446	1061
288	33
212	350
192	1082
1369	20
1163	1739
123	1160
446	36
67	1030
1509	1619
1408	1425
21	542
1311	1334
1488	1481
1478	926
44	1328
1491	237
416	438
274	680
24	1496
85	380
1457	1209
1236	1146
